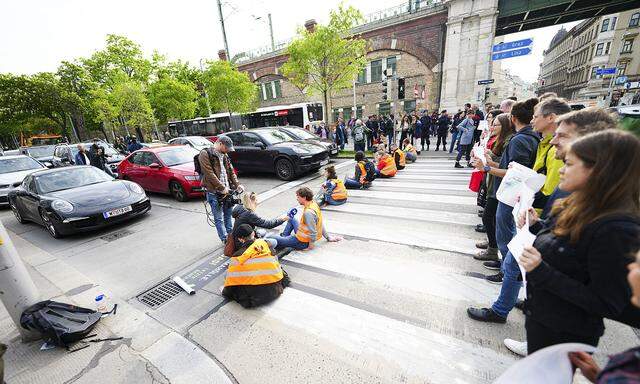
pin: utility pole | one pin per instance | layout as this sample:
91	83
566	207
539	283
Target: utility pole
204	88
17	290
273	43
224	32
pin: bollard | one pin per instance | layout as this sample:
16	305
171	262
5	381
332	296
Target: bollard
17	290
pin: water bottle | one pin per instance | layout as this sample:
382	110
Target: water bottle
101	303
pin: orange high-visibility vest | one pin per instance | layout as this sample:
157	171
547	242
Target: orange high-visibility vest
363	172
256	266
389	168
340	191
411	148
303	234
402	161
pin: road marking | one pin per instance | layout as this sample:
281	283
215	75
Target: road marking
401	176
386	183
467	219
416	197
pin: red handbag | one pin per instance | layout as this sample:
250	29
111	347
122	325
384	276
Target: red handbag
476	180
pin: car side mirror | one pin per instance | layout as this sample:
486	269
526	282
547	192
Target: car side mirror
65	160
155	166
260	145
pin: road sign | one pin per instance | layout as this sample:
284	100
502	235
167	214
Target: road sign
512	45
510	54
621	80
632	85
605	71
484	82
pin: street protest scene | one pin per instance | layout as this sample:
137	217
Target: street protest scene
434	191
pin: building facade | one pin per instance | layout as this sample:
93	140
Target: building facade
553	69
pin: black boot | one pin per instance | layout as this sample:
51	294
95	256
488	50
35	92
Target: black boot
458	165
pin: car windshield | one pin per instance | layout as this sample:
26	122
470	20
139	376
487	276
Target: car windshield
301	133
70	177
274	137
45	151
18	164
179	155
200	141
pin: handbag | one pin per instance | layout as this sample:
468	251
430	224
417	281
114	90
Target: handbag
229	246
476	180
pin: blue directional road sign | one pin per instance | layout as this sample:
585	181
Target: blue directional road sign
605	71
621	80
512	45
510	54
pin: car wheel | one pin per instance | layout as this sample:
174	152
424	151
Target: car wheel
177	191
48	224
284	169
17	213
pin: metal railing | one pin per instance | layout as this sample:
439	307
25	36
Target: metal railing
414	6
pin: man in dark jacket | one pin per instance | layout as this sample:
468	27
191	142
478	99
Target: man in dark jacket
134	145
443	130
426	126
243	215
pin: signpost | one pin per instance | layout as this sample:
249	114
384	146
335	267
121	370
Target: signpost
485	82
512	45
605	71
510	54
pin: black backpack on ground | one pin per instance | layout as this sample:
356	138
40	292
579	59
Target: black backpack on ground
371	171
59	323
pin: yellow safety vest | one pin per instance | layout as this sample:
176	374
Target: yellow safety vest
389	168
410	148
363	172
256	266
303	234
402	157
340	191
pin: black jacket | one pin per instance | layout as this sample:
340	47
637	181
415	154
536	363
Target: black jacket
443	123
242	215
577	285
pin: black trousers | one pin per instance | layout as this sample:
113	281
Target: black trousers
489	220
403	135
464	150
425	139
442	136
540	336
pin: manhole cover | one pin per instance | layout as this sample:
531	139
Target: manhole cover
160	294
113	236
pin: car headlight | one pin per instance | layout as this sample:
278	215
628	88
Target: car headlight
135	188
62	206
299	150
192	177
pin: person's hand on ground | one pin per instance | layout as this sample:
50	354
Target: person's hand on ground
586	364
309	248
284	218
335	239
530	259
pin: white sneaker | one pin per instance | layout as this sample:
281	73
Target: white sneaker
517	347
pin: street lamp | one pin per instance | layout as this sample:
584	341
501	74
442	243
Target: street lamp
259	18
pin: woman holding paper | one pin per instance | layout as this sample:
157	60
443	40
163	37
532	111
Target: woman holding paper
577	265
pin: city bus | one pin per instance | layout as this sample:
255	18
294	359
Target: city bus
206	126
301	115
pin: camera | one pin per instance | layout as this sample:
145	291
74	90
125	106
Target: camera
230	199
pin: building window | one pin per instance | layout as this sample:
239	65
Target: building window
346	113
376	71
268	91
622	68
613	22
409	106
627	45
384	108
277	89
594	74
605	25
362	76
634	20
606	51
599	49
391	64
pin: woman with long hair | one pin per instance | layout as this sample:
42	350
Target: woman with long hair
576	268
333	190
405	125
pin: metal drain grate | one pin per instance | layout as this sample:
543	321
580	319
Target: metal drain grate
160	294
113	236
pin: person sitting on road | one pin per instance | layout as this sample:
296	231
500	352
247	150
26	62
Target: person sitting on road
245	214
398	156
333	191
360	179
411	153
310	228
386	165
254	276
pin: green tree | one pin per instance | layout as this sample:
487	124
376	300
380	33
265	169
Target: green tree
132	106
229	90
120	60
170	98
328	58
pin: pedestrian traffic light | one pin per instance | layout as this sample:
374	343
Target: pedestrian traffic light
486	93
385	85
400	89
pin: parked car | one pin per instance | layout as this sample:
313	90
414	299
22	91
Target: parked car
196	142
42	153
13	169
271	150
212	139
65	154
298	133
166	169
154	144
76	199
12	152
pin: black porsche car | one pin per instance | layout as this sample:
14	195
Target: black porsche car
76	199
298	133
270	150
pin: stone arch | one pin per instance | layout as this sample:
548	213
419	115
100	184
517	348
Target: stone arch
403	45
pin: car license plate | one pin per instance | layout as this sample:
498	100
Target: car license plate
334	151
324	162
117	212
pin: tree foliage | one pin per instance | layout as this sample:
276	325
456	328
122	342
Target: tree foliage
328	58
229	90
172	99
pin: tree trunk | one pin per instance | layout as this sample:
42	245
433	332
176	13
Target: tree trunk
325	107
104	132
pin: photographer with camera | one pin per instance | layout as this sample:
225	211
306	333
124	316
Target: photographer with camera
219	179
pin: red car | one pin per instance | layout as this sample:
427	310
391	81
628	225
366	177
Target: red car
166	169
212	139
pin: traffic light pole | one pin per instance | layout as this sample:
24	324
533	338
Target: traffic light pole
17	290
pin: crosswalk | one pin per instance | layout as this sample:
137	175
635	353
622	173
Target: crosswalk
387	304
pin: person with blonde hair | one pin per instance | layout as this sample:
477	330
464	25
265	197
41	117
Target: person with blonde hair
244	213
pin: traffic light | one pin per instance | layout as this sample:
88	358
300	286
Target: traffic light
486	93
385	84
400	89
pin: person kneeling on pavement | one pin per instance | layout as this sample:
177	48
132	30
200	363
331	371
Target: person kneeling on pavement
310	228
245	213
364	175
411	153
398	156
254	276
386	165
333	191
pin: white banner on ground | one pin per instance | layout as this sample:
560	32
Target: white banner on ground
550	365
512	183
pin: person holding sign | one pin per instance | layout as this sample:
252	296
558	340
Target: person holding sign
576	268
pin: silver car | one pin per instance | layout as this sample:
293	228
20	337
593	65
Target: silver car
197	142
13	169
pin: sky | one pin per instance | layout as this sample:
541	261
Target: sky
38	34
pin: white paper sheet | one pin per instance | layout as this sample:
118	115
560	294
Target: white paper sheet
478	151
512	184
550	365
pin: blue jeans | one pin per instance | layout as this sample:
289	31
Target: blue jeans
454	138
350	183
287	240
411	157
358	146
505	230
221	215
